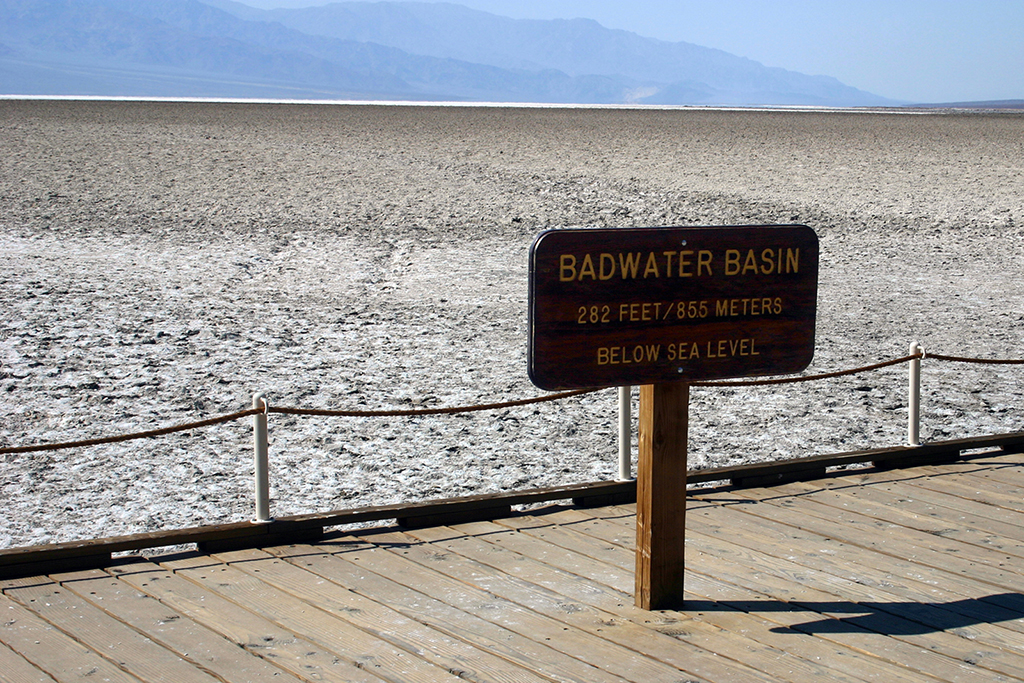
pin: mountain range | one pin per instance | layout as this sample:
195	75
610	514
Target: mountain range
372	50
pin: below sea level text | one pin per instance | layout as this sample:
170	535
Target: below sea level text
681	351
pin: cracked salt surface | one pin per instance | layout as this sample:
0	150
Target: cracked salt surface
163	262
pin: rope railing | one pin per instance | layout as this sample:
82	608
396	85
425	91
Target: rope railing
415	412
292	411
474	408
261	408
131	437
981	361
809	378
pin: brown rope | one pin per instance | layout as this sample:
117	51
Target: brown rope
808	378
427	411
130	437
984	361
469	409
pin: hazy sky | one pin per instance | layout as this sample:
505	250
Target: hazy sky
912	50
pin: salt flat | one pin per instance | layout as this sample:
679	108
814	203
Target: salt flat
163	261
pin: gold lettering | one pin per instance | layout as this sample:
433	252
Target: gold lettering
628	265
768	263
567	271
603	355
685	263
668	262
588	268
750	263
610	260
703	261
792	260
652	266
732	261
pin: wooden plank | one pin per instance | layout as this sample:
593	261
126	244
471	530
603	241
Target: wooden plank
1006	610
843	663
709	599
796	510
842	652
173	630
641	649
16	669
378	619
761	574
336	635
833	612
661	496
728	633
858	565
555	566
98	631
930	491
59	655
445	576
37	565
879	628
575	543
975	618
968	528
292	652
843	659
923	486
939	554
972	483
362	568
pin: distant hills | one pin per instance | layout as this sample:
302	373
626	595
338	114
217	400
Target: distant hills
372	50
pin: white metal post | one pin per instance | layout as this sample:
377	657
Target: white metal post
914	398
261	459
625	434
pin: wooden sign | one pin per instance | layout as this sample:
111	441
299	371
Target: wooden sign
611	307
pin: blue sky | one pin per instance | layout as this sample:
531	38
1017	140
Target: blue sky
912	50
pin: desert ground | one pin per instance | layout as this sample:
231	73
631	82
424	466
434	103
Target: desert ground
163	261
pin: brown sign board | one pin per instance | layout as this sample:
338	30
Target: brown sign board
612	307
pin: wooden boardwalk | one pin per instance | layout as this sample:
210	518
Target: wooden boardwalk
889	576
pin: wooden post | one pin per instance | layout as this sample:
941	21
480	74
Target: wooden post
661	495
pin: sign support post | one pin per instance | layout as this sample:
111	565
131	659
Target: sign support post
661	495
